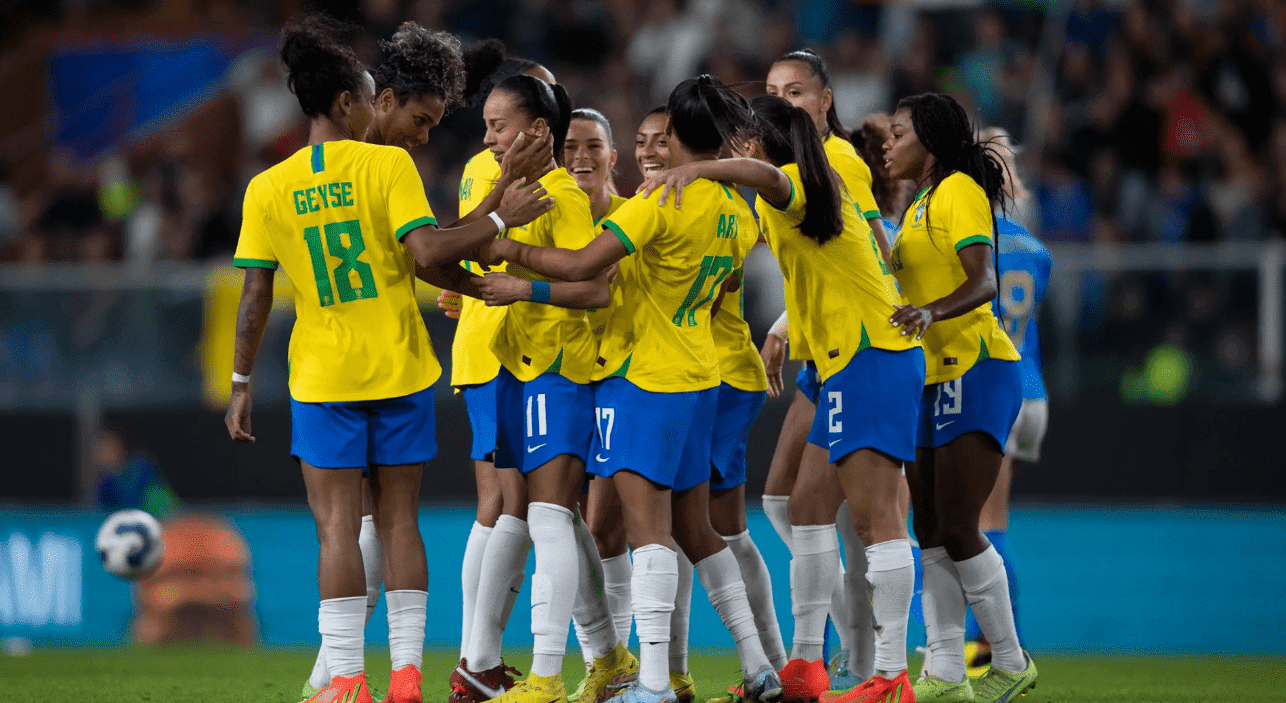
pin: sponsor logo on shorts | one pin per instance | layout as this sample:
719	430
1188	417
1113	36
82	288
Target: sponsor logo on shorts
834	442
538	446
939	426
600	458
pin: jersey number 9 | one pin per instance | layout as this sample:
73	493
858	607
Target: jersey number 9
347	254
1017	291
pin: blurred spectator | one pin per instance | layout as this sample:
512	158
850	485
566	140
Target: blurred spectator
128	476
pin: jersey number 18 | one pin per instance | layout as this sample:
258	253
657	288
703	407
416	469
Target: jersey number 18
347	254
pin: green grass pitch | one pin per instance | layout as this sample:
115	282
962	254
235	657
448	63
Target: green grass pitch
221	675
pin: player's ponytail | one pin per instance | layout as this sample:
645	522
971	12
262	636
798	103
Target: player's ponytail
540	100
319	65
788	135
818	68
705	114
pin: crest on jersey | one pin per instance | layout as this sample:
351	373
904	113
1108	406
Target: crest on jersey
919	212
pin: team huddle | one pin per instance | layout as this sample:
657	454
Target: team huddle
603	337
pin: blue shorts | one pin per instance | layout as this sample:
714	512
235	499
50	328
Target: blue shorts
663	437
480	403
986	399
545	417
808	383
872	403
737	410
355	435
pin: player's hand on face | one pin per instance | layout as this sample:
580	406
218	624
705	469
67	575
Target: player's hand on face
914	321
499	288
528	157
673	179
774	356
450	302
237	419
523	203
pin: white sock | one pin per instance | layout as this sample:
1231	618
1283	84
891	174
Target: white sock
470	570
504	565
721	577
986	585
372	562
775	509
406	613
319	678
341	621
814	569
654	584
553	586
682	615
582	639
616	584
754	572
944	615
858	624
839	607
594	626
891	573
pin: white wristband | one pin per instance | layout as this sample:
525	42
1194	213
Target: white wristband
496	219
238	378
780	327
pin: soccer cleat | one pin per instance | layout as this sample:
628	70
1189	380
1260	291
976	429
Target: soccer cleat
931	689
478	686
685	689
535	689
876	690
404	686
764	685
308	692
804	681
925	666
1000	686
735	695
841	678
352	689
977	658
607	675
636	692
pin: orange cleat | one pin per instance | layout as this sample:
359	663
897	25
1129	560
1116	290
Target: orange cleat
875	690
803	681
344	690
404	686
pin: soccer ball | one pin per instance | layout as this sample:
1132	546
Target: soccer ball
130	544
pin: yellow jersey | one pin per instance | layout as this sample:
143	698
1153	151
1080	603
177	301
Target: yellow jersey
927	265
855	174
472	362
659	337
536	338
740	365
841	290
598	318
331	216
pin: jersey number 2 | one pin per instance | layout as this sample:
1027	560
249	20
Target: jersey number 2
347	254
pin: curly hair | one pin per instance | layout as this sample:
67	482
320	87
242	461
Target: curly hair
319	65
422	62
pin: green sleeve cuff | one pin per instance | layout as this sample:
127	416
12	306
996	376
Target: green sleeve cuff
254	264
970	241
417	222
620	234
871	214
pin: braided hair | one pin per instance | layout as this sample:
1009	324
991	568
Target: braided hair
319	65
422	62
817	66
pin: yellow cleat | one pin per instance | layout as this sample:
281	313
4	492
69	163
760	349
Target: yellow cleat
684	687
977	659
609	675
535	689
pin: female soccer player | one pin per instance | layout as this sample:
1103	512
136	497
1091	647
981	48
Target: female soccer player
658	368
803	79
360	349
872	378
495	555
943	260
1024	265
